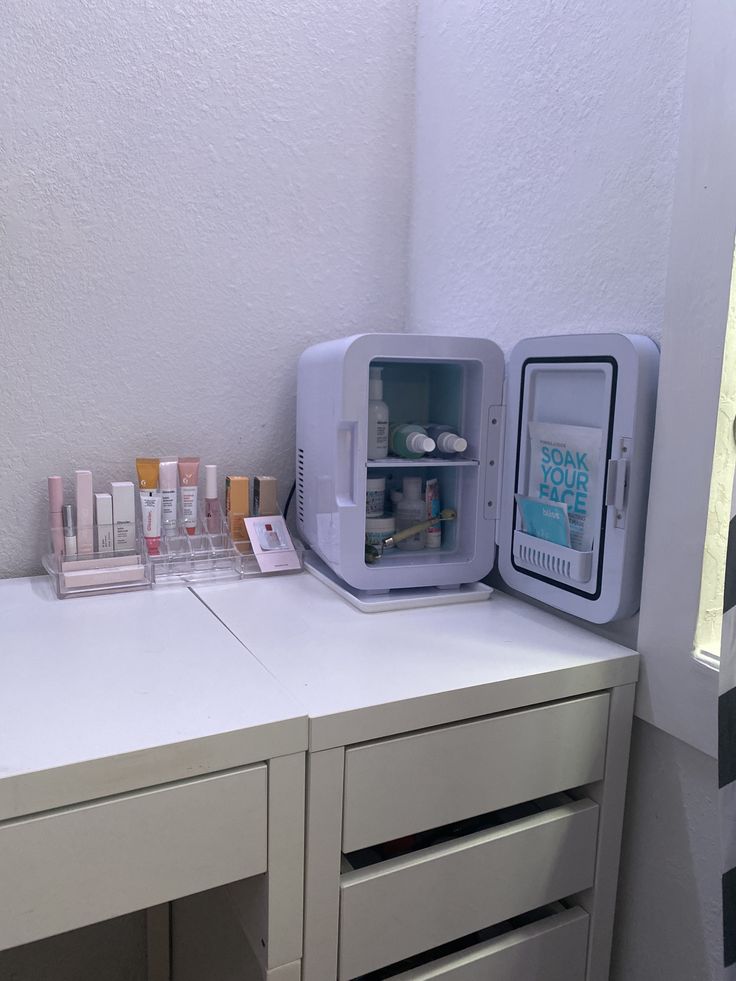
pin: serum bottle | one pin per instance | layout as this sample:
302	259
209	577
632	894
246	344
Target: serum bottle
377	417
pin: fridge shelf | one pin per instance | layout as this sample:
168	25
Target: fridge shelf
399	463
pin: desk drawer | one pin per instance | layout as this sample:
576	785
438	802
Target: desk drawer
71	867
412	783
552	949
397	908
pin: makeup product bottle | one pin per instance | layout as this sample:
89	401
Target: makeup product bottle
56	522
432	501
189	483
167	484
447	440
377	417
123	515
147	468
103	513
265	499
410	510
410	441
237	507
85	512
211	503
70	532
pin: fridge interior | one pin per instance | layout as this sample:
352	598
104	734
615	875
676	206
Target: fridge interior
577	392
448	393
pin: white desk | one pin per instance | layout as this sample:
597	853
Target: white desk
144	755
457	687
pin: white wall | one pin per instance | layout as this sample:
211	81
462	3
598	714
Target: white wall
548	138
190	194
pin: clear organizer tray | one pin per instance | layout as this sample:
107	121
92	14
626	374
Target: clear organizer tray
565	564
98	571
209	555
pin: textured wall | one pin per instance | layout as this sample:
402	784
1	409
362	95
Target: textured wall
668	910
547	149
547	139
190	194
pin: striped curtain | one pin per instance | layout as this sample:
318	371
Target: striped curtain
727	751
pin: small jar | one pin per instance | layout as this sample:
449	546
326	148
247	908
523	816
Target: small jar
375	496
378	529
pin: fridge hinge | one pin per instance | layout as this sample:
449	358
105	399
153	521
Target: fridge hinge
617	482
493	462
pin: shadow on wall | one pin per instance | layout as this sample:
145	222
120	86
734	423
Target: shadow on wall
668	910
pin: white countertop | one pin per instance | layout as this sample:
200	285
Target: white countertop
105	694
363	676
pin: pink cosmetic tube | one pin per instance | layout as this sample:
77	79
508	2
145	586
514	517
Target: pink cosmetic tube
56	524
85	513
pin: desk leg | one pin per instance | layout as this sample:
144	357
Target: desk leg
324	845
158	943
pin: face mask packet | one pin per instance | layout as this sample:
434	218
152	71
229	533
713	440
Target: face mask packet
545	520
565	468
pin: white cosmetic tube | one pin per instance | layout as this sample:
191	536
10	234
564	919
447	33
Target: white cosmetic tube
103	513
123	515
151	513
167	483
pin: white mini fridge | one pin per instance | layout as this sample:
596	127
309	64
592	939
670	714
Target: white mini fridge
603	382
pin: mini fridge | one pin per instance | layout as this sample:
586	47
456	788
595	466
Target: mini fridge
602	382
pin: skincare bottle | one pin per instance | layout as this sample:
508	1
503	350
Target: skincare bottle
265	500
410	441
432	510
211	503
377	417
70	532
411	510
448	442
167	483
237	507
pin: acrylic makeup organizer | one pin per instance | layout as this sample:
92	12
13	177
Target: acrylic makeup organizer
210	555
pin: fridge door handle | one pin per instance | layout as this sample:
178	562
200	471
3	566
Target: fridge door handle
345	464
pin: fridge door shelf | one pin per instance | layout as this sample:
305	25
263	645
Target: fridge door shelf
565	564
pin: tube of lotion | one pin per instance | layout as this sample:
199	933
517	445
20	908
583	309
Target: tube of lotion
167	483
147	468
189	481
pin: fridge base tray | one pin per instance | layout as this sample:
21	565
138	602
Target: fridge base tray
395	599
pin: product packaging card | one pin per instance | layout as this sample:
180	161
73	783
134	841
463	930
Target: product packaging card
272	544
545	520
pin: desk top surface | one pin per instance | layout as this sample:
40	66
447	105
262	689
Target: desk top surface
364	676
104	694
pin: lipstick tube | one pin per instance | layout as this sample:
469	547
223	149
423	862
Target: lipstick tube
56	523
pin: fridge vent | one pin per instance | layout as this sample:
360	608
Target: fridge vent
555	560
300	485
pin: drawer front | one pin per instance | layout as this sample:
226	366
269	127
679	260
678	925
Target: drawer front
67	868
553	949
398	908
414	783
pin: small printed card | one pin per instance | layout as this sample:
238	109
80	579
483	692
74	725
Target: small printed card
272	544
